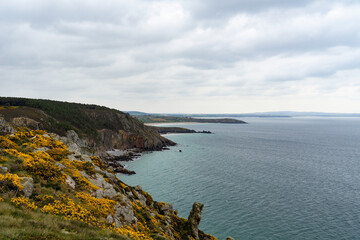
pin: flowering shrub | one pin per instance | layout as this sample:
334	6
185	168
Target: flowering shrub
6	143
24	135
12	179
20	201
80	180
67	208
88	167
42	200
1	199
97	161
3	159
99	207
128	231
40	164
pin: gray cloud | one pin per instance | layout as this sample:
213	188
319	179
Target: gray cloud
153	55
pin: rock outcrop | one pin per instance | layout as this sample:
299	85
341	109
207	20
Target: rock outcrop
28	186
194	219
26	122
5	127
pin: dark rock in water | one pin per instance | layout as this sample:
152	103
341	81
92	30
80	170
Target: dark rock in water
124	157
194	219
203	131
166	148
180	151
165	130
124	171
230	238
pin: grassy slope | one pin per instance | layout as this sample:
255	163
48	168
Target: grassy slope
22	223
69	116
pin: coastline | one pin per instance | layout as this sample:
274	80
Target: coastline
170	123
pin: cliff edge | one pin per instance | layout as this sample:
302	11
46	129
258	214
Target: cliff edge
99	128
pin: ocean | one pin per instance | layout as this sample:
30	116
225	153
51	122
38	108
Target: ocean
274	178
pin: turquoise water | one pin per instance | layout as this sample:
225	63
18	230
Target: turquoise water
296	178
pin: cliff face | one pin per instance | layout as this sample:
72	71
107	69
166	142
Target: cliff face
102	128
39	173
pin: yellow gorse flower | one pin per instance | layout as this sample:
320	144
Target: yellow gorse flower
13	179
20	201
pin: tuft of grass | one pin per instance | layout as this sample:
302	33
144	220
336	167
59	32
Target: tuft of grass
21	223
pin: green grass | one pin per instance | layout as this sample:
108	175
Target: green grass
21	223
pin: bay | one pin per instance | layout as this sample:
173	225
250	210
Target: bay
286	178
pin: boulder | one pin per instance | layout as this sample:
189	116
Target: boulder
110	219
28	184
124	214
5	127
167	209
3	169
106	189
70	182
194	219
26	122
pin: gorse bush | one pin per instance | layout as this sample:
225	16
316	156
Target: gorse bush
35	154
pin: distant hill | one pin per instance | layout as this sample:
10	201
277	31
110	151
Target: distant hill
171	119
256	114
136	113
103	128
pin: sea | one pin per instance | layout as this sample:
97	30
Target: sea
273	178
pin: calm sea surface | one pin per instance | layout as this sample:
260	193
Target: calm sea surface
290	178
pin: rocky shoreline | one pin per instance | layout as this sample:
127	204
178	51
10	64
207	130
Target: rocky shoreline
114	157
113	161
166	130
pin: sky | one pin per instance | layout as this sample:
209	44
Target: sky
190	56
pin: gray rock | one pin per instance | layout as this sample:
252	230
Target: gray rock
138	188
70	182
28	184
73	143
194	219
5	127
41	149
142	198
26	122
3	169
106	189
60	165
124	214
110	219
167	209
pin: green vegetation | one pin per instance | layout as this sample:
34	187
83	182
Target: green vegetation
23	223
171	119
64	116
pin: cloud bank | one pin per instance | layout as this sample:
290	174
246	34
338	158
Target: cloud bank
184	56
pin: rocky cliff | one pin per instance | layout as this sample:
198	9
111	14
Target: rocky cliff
41	174
99	128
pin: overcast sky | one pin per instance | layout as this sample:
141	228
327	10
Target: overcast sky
229	56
